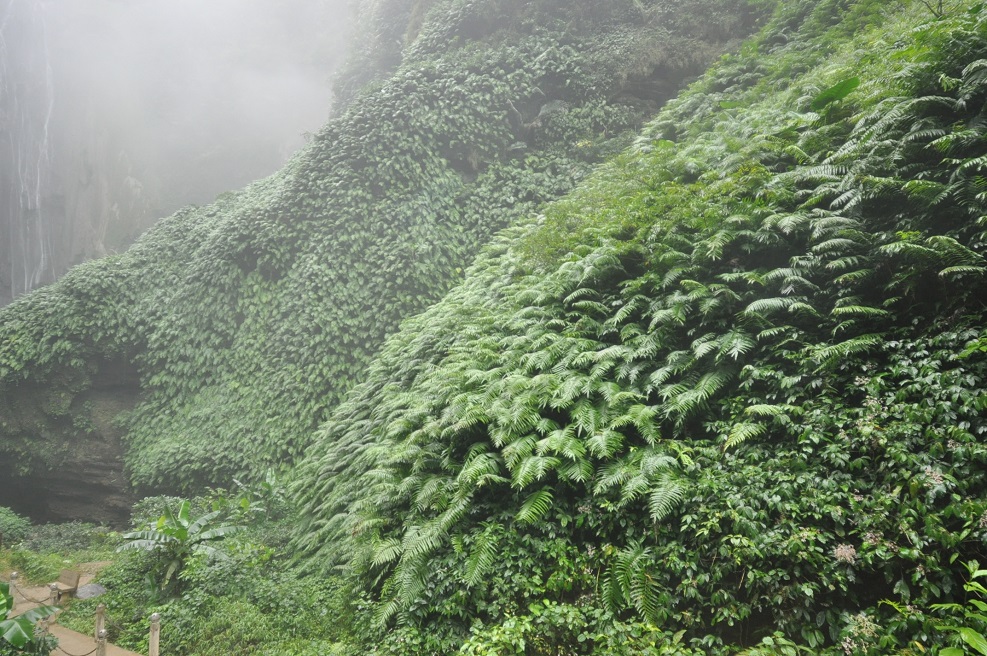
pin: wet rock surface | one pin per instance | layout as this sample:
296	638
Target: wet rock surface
89	591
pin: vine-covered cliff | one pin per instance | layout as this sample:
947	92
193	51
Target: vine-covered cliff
235	328
727	394
722	393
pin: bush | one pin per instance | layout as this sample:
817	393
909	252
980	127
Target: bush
66	538
13	527
36	568
148	510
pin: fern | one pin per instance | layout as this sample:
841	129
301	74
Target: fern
386	552
963	270
742	432
535	506
483	555
829	355
667	494
630	582
533	468
604	444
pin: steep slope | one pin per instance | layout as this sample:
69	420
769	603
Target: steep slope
235	327
731	385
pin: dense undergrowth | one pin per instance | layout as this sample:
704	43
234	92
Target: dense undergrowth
242	323
241	597
730	386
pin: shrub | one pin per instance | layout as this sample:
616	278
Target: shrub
66	538
147	511
13	527
34	567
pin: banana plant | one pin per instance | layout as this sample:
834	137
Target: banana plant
176	536
18	631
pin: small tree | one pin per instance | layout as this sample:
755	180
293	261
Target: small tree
176	537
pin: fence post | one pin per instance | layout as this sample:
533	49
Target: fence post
155	637
100	620
101	642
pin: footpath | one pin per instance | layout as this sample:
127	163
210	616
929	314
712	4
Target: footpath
70	643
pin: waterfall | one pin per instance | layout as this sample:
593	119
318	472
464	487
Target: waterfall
106	123
27	100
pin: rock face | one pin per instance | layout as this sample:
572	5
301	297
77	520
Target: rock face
97	141
91	485
84	479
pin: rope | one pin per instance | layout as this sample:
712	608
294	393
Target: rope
45	630
26	598
109	621
88	653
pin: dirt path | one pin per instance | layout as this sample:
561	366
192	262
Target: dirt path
70	643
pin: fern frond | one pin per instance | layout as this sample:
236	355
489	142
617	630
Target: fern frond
963	270
736	344
667	495
533	468
483	555
605	444
831	354
858	311
766	410
535	506
386	552
742	432
768	305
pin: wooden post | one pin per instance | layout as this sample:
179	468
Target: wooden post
101	642
155	637
100	620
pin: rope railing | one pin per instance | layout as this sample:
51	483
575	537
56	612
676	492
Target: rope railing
99	650
25	596
100	633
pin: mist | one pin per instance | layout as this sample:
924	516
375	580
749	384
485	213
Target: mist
114	113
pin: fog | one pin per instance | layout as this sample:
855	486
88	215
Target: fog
114	113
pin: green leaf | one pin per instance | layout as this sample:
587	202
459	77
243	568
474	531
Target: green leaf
973	639
838	91
17	631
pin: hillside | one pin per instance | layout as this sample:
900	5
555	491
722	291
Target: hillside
732	385
556	377
219	342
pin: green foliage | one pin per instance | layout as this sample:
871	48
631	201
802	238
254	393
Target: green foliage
82	540
13	527
838	91
718	388
970	629
249	601
725	395
17	633
175	538
34	567
243	323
